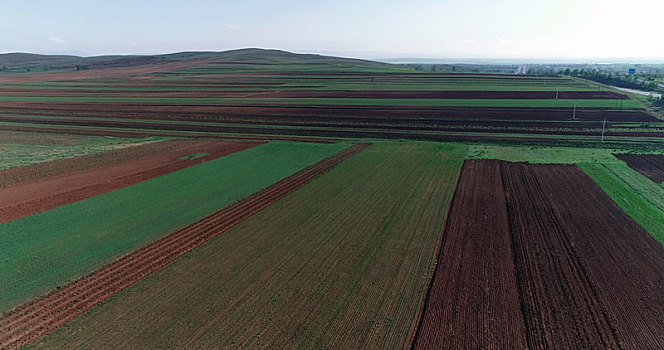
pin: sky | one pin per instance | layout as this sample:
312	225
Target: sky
360	28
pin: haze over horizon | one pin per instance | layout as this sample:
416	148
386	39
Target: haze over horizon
371	29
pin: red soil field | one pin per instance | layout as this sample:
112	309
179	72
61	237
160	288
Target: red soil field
649	165
30	173
32	197
36	319
587	275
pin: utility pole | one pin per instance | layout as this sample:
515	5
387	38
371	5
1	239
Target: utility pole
557	89
603	129
574	113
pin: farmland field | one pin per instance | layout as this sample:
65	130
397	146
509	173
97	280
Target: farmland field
263	199
543	267
43	251
270	94
25	148
341	263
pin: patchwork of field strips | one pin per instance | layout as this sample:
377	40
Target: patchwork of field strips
650	165
538	256
276	94
18	149
638	196
51	192
341	263
40	317
46	250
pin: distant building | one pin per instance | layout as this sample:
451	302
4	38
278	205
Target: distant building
632	71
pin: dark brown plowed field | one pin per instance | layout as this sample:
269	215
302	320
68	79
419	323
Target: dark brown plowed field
384	94
587	275
40	317
650	165
343	128
32	197
475	273
212	111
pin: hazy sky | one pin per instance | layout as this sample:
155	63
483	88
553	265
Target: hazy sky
361	28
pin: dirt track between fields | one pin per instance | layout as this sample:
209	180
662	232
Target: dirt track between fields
26	198
34	320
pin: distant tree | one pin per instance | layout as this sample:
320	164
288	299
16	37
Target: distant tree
575	72
568	71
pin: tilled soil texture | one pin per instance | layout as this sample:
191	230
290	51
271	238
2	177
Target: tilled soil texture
210	112
575	95
40	317
32	173
587	275
650	165
343	127
473	300
123	168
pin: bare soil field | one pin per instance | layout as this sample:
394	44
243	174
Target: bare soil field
194	111
40	317
587	275
473	299
385	94
32	197
650	165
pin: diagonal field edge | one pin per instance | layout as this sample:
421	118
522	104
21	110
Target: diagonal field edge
42	316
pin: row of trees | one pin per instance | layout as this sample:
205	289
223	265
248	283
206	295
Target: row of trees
629	81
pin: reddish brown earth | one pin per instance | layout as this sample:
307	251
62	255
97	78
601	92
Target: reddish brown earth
40	317
585	274
650	165
31	173
32	197
472	300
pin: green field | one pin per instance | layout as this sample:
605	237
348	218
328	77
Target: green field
639	197
46	250
342	263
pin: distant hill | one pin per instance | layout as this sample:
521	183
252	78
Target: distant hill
27	62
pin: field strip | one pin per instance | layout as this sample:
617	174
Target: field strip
35	172
40	317
341	263
35	197
486	308
587	275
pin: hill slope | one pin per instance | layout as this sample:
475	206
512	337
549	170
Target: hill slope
26	62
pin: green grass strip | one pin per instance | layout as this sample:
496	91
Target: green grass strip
44	251
639	197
